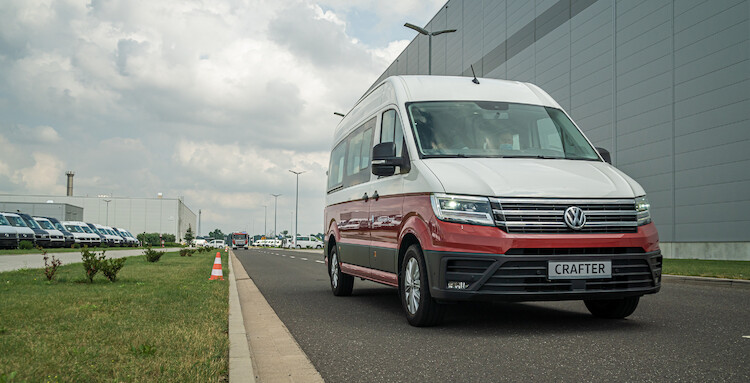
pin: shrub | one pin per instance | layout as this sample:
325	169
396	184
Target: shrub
110	268
75	246
184	252
50	269
91	262
152	255
26	245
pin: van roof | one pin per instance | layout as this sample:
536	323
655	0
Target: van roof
401	89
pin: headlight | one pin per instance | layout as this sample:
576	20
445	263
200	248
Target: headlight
642	208
462	209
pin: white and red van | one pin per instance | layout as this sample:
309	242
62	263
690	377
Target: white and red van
452	189
240	240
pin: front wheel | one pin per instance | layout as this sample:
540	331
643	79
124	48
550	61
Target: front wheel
421	309
341	284
612	308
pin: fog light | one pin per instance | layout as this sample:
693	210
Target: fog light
458	285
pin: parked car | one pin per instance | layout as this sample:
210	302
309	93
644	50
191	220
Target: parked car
57	239
8	234
501	195
199	242
128	238
69	238
109	235
41	235
25	233
217	243
86	236
304	242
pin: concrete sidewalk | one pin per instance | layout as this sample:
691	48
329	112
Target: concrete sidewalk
35	260
274	354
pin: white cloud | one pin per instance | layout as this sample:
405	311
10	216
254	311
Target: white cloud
212	100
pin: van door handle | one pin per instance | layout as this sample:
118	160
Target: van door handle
376	195
365	197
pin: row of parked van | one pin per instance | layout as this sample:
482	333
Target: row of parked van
49	232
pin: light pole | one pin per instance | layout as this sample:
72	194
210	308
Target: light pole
275	198
429	38
296	207
265	220
107	201
199	223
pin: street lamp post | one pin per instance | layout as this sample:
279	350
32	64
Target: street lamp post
296	208
265	220
107	201
275	198
429	38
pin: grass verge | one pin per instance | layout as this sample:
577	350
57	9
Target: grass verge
707	268
160	322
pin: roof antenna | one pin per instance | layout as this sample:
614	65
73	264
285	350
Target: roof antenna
475	81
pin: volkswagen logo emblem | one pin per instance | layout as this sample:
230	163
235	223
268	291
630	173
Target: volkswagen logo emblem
575	218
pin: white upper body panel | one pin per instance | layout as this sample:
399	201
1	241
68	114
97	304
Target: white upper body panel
497	177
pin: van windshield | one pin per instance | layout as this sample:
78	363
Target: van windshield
3	221
46	225
16	221
496	129
86	229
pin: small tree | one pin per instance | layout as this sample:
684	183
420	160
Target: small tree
216	234
189	235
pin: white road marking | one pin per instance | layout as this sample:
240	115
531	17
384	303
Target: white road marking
746	336
304	259
283	255
291	256
319	261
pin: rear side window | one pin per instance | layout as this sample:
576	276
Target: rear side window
336	168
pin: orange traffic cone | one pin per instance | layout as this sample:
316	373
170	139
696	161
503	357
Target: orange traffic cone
216	272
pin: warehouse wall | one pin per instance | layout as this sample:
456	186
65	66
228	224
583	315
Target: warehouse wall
662	84
138	215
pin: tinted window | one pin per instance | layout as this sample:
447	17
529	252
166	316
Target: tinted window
336	167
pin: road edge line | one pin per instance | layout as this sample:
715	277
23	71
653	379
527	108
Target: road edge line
693	280
240	362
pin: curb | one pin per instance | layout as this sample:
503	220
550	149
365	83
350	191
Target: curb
240	363
706	281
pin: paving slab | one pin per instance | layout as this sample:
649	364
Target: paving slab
35	260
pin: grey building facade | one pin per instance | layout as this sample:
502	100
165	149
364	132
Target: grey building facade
138	215
61	211
664	85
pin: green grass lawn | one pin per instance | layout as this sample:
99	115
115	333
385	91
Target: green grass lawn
160	322
706	268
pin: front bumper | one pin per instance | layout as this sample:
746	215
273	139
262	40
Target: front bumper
11	241
522	276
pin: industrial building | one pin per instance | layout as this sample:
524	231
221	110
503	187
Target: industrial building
60	211
661	84
138	215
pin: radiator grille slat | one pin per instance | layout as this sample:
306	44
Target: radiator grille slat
546	216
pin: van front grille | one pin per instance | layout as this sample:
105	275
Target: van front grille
546	216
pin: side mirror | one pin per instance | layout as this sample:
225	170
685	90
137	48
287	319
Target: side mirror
605	155
384	160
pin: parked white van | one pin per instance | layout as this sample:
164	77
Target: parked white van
112	238
482	189
8	234
83	233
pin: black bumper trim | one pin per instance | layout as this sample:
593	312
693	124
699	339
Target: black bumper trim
499	277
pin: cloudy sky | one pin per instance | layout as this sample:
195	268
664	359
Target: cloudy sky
213	100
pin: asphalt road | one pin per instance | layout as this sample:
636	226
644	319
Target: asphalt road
684	333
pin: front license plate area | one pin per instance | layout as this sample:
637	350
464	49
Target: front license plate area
579	269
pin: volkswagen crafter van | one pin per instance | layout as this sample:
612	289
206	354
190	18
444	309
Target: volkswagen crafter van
452	189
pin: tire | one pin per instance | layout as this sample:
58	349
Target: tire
341	284
612	308
414	290
299	247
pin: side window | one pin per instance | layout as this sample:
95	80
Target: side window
359	153
336	168
391	130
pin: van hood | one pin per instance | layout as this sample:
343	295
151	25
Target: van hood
540	178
